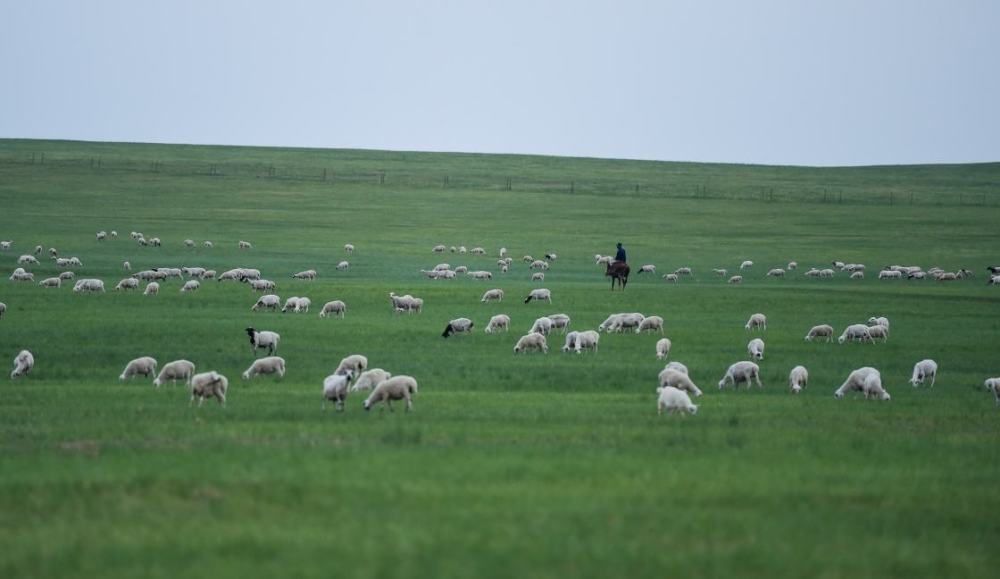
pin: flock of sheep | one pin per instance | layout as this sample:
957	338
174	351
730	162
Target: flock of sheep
351	375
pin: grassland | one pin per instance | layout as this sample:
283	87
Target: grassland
532	466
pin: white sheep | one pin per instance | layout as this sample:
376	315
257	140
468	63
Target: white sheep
670	278
395	388
587	340
209	385
854	332
38	249
539	295
245	245
23	363
126	266
741	372
370	379
497	323
461	269
683	271
755	348
570	341
261	285
26	259
890	274
309	274
349	248
993	384
458	326
826	272
477	251
922	370
792	265
269	301
5	245
560	322
798	378
619	322
677	379
51	282
290	304
650	324
736	279
178	369
746	265
260	340
532	341
209	274
67	275
152	288
438	249
190	286
492	295
878	332
676	366
663	348
144	365
647	268
873	387
114	234
820	331
189	243
538	276
357	363
756	322
335	307
720	272
480	275
856	381
539	264
776	272
541	326
878	321
3	308
302	306
88	285
674	400
268	365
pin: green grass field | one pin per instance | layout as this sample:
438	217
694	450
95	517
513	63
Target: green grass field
511	466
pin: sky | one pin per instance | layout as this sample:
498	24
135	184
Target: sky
786	82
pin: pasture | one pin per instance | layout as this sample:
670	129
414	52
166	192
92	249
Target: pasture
534	465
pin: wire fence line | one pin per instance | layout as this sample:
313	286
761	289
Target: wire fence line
432	178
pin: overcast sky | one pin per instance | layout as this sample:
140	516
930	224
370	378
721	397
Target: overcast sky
837	82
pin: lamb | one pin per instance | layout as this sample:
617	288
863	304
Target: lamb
648	268
854	332
395	388
497	323
676	366
674	400
538	276
587	340
539	294
263	340
680	380
405	303
23	363
670	278
335	307
269	365
144	365
357	363
541	326
650	324
51	282
492	295
532	341
349	248
245	245
756	321
776	272
307	274
746	265
209	385
923	369
741	372
190	286
370	379
798	378
269	301
152	288
755	348
820	331
663	348
736	279
342	266
993	384
178	369
88	285
560	322
857	380
458	325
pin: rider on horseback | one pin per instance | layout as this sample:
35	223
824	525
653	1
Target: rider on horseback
620	256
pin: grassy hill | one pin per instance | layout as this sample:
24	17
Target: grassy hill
538	465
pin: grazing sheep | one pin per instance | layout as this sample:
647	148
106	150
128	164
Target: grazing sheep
269	365
570	341
20	275
854	332
994	280
442	267
209	274
539	294
178	369
922	370
837	264
23	363
114	234
497	323
560	322
480	275
209	385
461	269
51	282
370	379
676	366
152	288
342	266
477	251
587	340
683	271
67	275
622	322
189	243
648	268
461	249
890	274
736	279
650	324
532	341
663	348
856	381
720	272
812	273
155	242
438	249
756	322
307	274
457	326
190	286
873	387
26	259
776	272
541	326
677	379
539	264
291	303
538	276
792	265
858	275
395	388
88	285
741	372
38	249
674	400
878	321
755	348
492	295
303	305
878	332
798	378
826	273
820	331
269	301
670	278
993	384
261	285
5	245
129	283
260	340
335	388
357	363
126	266
405	303
349	248
746	265
144	365
245	245
335	307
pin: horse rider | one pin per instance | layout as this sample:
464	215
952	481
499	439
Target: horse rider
620	255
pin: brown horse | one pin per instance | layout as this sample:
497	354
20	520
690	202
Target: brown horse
618	270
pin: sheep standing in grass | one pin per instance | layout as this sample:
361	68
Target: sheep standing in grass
798	378
757	322
541	326
261	340
497	323
873	389
309	274
395	388
209	385
559	322
539	295
570	341
245	245
587	340
290	304
370	379
876	332
333	308
858	332
492	295
349	248
735	279
268	365
303	305
746	264
993	385
648	268
178	369
855	381
126	266
88	285
191	285
357	363
67	275
670	278
792	265
922	370
52	282
878	321
674	400
681	380
720	272
650	324
23	363
663	348
538	276
144	365
776	272
342	266
532	341
458	326
755	348
152	288
269	301
676	366
741	372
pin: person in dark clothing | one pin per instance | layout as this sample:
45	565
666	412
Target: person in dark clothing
620	256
